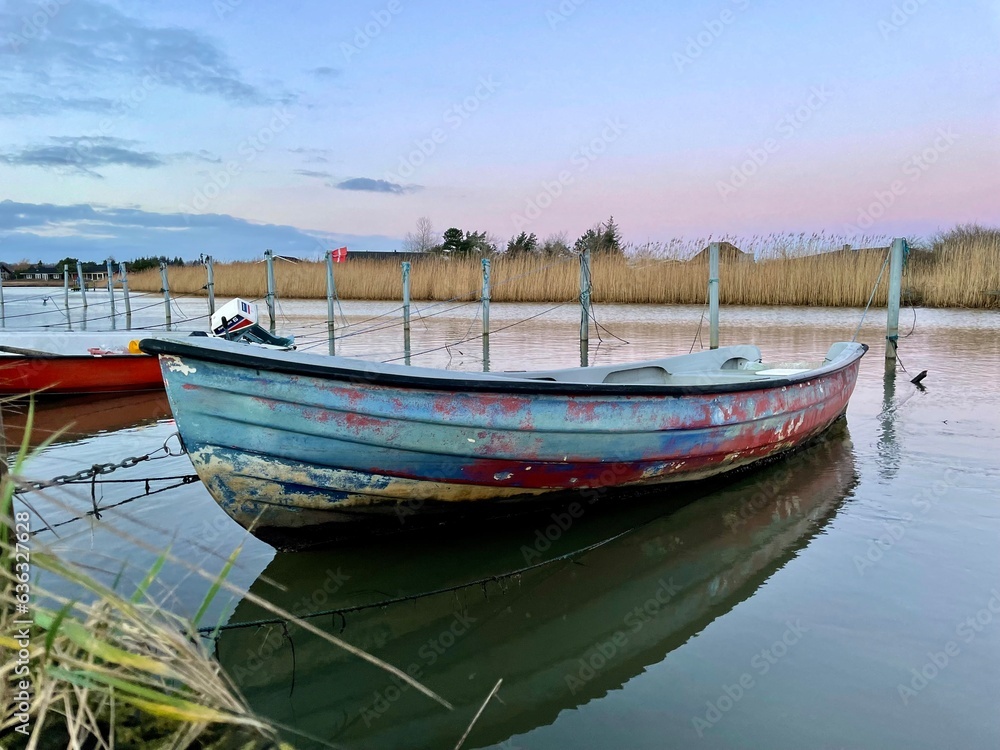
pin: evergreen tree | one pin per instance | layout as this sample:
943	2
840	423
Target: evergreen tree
523	244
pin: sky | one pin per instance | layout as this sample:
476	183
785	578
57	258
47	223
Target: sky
226	127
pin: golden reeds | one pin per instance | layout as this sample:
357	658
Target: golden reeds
960	270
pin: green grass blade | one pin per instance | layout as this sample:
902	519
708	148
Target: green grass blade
216	585
140	591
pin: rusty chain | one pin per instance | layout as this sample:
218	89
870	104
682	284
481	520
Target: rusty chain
97	470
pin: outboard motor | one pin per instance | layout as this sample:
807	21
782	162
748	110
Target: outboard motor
237	321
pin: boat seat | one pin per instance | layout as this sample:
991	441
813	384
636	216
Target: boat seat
650	375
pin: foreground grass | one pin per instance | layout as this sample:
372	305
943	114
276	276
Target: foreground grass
958	271
105	669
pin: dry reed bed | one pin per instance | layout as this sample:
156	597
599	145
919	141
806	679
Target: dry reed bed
956	275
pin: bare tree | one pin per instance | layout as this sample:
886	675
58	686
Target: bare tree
423	240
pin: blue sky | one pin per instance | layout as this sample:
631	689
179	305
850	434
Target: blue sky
229	126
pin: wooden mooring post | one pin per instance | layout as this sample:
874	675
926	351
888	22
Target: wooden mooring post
82	283
269	259
585	288
111	290
895	293
166	291
128	302
69	320
406	312
486	314
331	298
486	297
713	295
210	284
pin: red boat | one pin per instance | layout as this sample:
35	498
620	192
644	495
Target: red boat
63	363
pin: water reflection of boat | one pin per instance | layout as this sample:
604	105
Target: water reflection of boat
78	417
560	635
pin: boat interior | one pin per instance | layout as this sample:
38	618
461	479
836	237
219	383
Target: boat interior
730	364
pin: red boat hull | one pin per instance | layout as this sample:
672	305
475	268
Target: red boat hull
79	374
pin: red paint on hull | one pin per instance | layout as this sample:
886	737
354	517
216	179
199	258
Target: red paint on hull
80	374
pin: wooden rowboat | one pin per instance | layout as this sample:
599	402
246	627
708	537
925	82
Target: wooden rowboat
295	446
77	363
80	363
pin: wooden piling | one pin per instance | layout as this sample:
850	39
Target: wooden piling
210	285
83	284
128	301
585	288
486	297
331	296
111	290
166	291
713	295
269	259
406	297
895	294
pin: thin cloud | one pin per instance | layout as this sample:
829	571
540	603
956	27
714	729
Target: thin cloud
85	155
325	72
13	104
366	184
313	173
312	155
49	232
91	41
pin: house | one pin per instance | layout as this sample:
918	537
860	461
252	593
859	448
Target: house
394	255
91	272
38	272
6	272
727	252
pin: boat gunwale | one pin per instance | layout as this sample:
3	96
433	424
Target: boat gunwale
247	359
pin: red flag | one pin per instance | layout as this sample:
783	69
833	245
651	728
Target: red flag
339	255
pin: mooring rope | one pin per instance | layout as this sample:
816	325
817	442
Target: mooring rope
872	296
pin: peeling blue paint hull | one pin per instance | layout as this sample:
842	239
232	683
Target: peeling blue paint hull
288	441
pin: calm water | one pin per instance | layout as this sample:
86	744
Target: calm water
848	597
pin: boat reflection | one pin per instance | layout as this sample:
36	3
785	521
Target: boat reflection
77	417
559	634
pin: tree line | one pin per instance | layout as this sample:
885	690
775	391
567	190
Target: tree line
604	238
138	264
